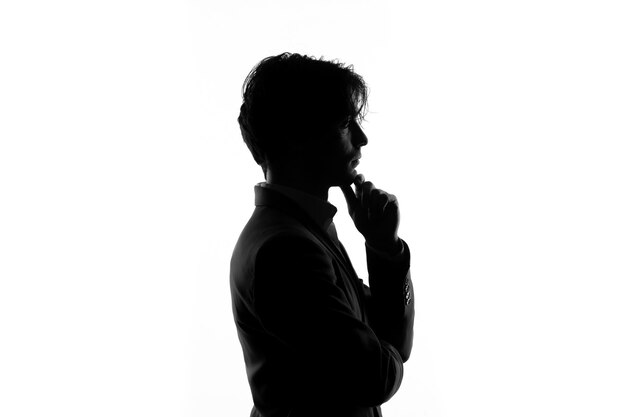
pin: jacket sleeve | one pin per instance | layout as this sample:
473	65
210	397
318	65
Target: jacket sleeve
298	301
389	297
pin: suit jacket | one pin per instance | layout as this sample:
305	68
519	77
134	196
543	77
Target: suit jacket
316	340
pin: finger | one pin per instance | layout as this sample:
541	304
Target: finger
379	200
382	203
358	185
366	194
392	205
351	198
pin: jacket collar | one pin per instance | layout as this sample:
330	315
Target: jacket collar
320	211
270	196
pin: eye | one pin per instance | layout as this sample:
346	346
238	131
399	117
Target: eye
346	123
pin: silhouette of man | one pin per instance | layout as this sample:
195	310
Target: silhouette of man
316	340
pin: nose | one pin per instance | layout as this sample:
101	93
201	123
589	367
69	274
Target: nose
358	136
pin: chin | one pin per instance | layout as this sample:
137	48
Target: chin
346	179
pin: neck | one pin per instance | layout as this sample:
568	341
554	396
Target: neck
302	184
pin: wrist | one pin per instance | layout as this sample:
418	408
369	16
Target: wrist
391	247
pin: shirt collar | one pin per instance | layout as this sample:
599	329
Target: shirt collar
322	212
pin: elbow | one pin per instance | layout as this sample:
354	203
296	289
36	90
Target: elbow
388	378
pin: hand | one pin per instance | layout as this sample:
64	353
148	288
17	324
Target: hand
375	213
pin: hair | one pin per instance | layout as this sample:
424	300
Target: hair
291	97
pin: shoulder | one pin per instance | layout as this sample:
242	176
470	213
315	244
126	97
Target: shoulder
270	233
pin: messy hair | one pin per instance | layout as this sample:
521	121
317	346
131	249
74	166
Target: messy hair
291	97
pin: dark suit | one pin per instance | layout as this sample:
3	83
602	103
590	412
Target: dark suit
316	340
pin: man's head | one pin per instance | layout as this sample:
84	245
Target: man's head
301	113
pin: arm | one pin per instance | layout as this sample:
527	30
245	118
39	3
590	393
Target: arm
377	216
298	302
390	307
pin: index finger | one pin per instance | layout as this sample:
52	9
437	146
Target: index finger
350	196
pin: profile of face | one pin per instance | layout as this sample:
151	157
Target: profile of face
334	156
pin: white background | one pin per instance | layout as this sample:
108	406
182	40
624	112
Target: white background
124	183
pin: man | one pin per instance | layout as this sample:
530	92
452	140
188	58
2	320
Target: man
316	340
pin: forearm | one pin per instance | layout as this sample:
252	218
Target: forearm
391	306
